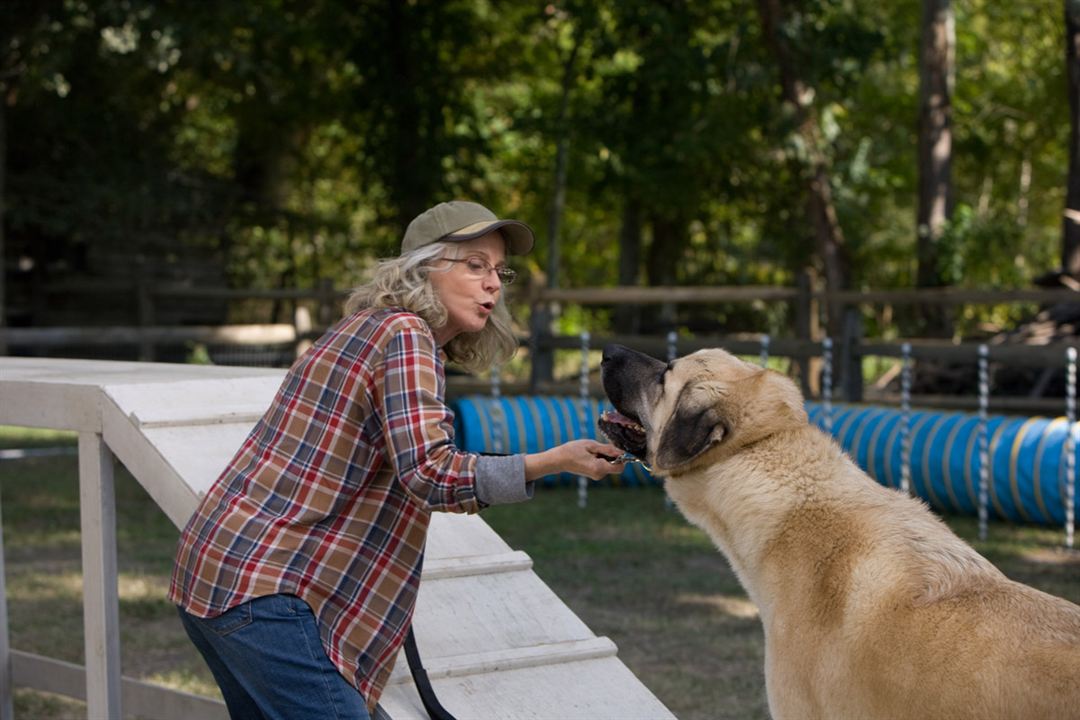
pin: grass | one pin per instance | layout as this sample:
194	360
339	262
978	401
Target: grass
630	567
638	573
635	571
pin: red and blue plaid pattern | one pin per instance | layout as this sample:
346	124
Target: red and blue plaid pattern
330	495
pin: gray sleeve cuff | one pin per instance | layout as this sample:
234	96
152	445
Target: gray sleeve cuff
500	479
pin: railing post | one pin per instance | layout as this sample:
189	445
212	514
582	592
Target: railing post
303	328
806	329
101	606
541	353
144	304
851	355
7	689
327	310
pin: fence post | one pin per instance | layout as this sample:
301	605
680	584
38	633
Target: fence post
303	328
101	608
806	329
144	305
7	687
541	353
326	309
851	355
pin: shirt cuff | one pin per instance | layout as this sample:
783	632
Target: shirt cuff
500	479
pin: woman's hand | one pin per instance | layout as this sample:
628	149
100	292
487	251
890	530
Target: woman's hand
580	457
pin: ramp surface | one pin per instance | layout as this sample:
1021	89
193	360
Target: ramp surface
496	641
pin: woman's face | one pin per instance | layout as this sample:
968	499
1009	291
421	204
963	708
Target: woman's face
469	287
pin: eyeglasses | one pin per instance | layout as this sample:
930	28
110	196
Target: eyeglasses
479	268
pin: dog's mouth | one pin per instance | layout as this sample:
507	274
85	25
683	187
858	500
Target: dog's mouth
624	432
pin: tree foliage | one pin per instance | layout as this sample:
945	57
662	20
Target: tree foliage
293	140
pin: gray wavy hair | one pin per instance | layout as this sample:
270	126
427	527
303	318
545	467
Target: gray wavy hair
403	282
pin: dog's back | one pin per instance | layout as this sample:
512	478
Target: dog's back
876	609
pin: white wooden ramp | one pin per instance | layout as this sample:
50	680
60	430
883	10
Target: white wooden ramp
496	641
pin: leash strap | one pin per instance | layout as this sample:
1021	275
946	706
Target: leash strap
434	708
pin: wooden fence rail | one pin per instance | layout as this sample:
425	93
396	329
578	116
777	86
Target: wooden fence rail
803	343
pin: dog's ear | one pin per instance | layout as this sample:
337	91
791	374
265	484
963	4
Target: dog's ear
690	432
780	403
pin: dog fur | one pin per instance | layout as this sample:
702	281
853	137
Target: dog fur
872	607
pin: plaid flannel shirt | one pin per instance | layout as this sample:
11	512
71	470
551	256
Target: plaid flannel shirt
330	495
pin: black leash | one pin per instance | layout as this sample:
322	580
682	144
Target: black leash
434	708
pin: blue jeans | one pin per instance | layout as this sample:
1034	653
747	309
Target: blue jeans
268	660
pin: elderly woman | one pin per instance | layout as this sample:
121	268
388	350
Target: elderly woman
297	575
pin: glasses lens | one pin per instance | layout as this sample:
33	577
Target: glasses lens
477	267
506	275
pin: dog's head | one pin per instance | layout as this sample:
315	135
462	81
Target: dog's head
694	409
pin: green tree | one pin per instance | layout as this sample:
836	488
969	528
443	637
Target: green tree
935	204
1070	229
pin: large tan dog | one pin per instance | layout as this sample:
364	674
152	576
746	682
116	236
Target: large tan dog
872	608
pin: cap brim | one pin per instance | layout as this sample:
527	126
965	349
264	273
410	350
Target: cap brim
519	236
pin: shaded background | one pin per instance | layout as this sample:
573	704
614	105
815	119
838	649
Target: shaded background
271	144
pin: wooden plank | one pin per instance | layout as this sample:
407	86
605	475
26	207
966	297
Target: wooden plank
627	294
133	335
491	613
451	567
657	346
140	699
101	607
673	294
510	659
179	292
158	476
598	689
198	401
453	535
92	375
49	405
199	469
950	296
752	293
7	687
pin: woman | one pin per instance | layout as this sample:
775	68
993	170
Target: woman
297	576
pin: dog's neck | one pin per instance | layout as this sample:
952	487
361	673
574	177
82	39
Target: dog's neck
741	519
751	514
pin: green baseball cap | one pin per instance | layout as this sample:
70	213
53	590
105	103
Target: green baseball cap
460	220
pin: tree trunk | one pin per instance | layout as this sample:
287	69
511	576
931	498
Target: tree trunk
412	187
628	317
668	239
558	197
936	72
1070	232
820	210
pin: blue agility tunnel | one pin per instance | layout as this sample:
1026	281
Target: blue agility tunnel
515	424
1026	458
1027	455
